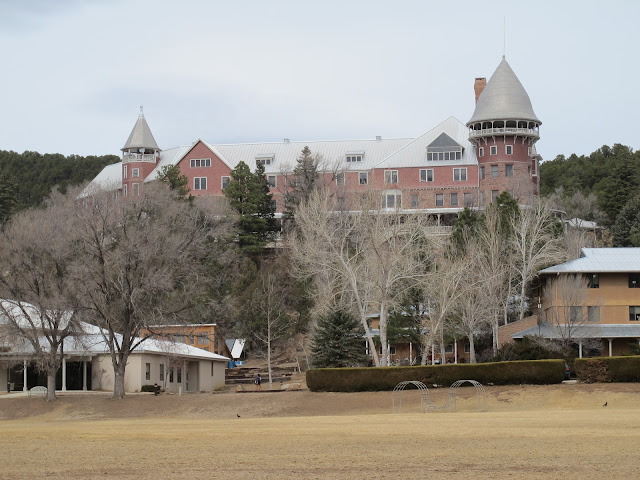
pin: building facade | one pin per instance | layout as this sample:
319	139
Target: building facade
450	167
592	302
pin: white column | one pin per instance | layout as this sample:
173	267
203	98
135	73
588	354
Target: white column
610	346
84	375
410	353
579	348
24	375
64	374
455	350
433	354
184	376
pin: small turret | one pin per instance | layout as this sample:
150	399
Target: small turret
140	156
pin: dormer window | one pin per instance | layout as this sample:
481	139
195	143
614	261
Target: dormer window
200	162
264	160
444	148
354	157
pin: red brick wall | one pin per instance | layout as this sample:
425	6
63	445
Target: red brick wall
213	174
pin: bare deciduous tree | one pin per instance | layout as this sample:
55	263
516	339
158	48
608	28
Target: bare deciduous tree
142	264
366	258
37	255
536	243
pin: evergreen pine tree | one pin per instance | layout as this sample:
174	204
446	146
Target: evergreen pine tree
248	194
302	182
8	197
338	341
626	230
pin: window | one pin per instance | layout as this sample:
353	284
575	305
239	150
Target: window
494	171
459	174
444	148
508	149
171	375
125	171
392	350
147	371
124	189
634	280
467	348
340	179
200	183
274	205
593	314
354	158
575	314
468	199
391	176
179	374
494	195
271	180
444	156
191	338
454	200
448	348
225	182
415	201
439	199
481	173
529	151
508	170
593	280
162	372
426	175
212	369
493	150
200	162
391	200
363	178
264	160
340	203
481	152
634	314
135	189
135	172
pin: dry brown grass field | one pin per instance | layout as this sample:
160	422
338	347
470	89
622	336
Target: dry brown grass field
528	432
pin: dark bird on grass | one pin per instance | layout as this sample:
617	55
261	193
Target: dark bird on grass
237	415
605	404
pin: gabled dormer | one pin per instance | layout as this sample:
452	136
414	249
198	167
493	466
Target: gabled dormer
444	148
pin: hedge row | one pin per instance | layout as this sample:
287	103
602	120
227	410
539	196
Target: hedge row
539	372
608	369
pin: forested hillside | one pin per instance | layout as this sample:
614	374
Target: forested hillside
32	175
611	174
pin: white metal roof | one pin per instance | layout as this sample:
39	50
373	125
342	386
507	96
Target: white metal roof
504	98
414	153
600	260
109	179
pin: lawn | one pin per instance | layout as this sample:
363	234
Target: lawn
528	432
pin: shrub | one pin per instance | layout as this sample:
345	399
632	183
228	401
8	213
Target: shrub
149	388
386	378
608	369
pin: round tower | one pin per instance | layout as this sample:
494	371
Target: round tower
504	130
140	156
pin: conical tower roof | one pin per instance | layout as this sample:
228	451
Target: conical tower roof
504	98
141	136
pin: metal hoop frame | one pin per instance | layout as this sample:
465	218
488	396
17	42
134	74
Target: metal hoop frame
399	388
481	394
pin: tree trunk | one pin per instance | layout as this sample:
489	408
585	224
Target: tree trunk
269	357
118	383
472	349
496	324
522	292
51	385
384	361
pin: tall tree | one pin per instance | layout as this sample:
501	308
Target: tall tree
8	197
37	254
141	263
248	194
626	229
170	174
338	341
368	258
302	181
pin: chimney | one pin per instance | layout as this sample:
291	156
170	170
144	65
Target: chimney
479	85
286	140
378	137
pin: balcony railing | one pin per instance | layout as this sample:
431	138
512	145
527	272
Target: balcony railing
531	132
139	157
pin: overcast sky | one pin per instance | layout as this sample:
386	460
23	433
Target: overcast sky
74	72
